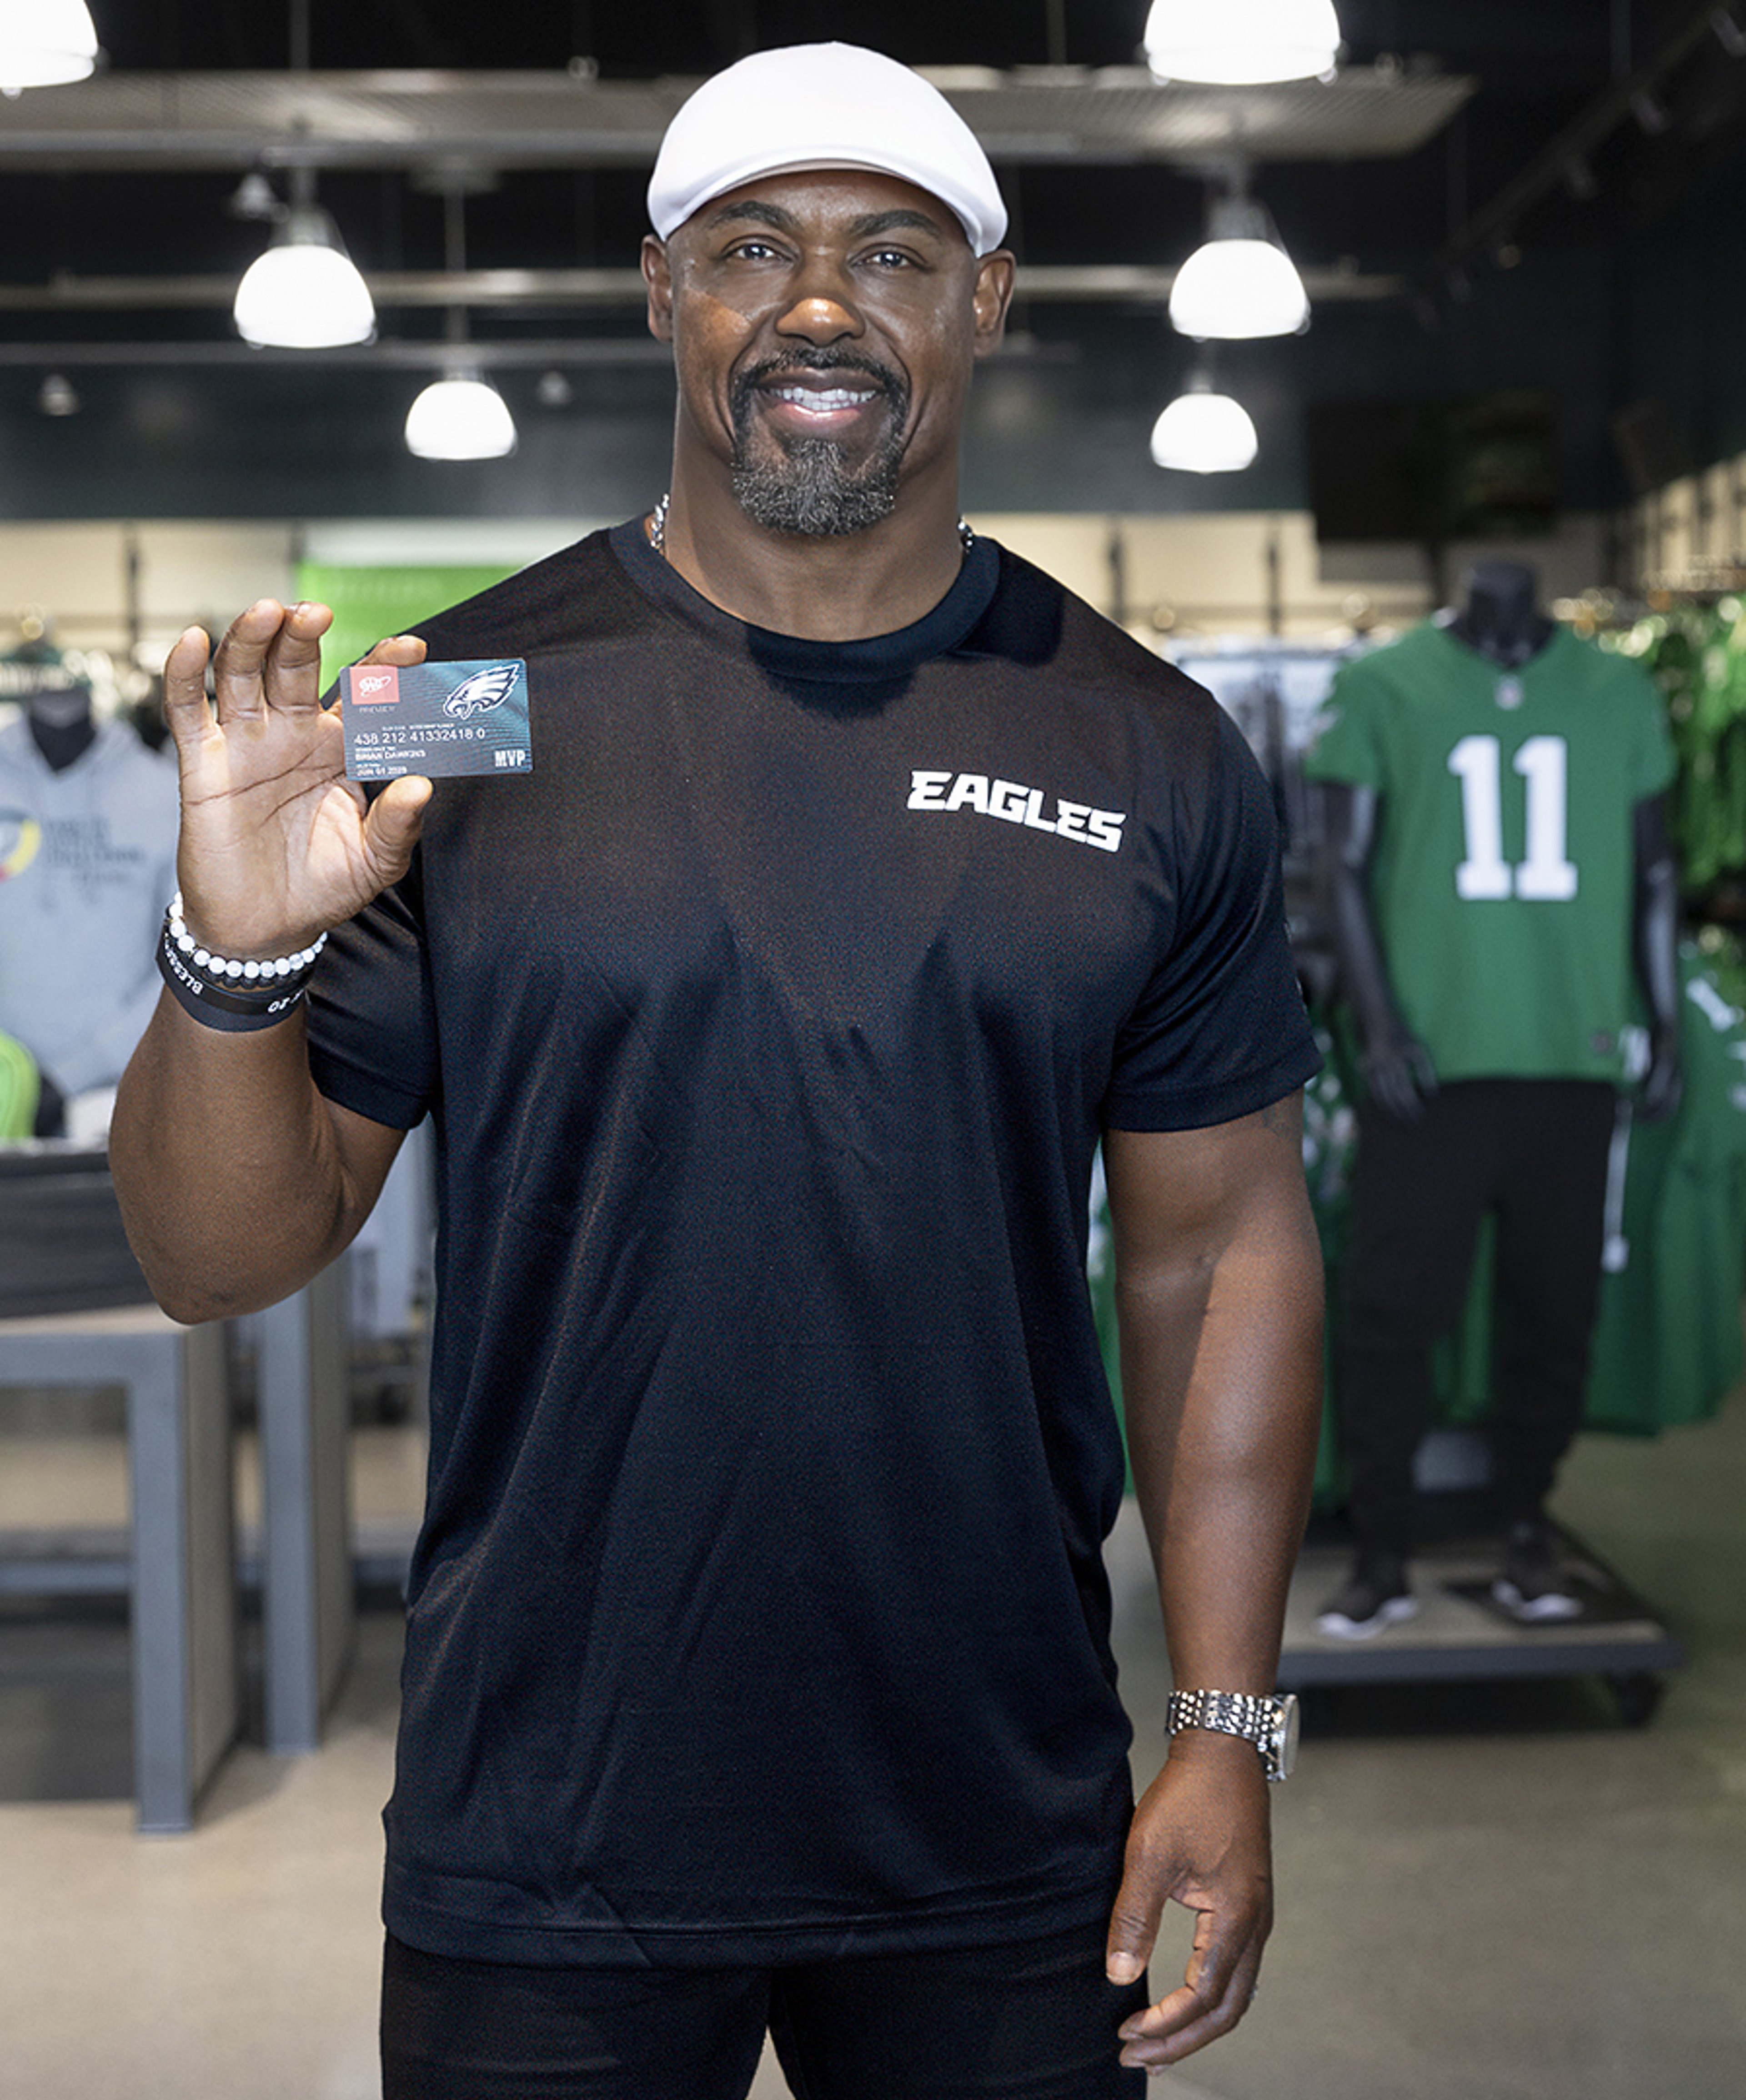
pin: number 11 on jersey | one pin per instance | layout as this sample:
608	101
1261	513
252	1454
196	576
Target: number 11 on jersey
1546	876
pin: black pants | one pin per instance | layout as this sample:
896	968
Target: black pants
1036	2021
1533	1152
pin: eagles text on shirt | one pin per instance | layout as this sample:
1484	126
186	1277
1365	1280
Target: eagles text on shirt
1015	804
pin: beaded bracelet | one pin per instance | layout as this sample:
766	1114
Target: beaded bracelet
232	973
234	997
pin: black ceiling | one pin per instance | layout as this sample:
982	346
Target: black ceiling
1538	65
1540	239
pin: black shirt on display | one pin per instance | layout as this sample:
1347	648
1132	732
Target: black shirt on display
769	1026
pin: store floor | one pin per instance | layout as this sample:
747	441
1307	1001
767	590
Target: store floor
1485	1894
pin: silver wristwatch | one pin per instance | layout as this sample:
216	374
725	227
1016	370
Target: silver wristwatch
1270	1723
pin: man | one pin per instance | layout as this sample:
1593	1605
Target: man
757	1671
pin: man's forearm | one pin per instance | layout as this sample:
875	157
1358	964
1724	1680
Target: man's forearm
231	1180
1221	1360
1225	1490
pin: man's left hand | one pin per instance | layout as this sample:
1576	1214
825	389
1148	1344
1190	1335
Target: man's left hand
1200	1837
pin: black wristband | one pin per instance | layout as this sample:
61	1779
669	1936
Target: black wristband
236	1012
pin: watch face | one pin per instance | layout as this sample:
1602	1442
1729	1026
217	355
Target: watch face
1284	1745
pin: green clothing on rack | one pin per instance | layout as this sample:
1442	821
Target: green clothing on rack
1668	1346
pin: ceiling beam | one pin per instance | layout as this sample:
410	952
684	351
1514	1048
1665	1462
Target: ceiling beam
504	120
434	355
620	291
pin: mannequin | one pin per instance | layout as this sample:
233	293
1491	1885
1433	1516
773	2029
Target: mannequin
93	813
1419	1186
55	696
1501	621
1501	618
62	726
63	730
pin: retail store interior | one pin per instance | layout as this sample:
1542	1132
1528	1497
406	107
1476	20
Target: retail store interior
1512	1859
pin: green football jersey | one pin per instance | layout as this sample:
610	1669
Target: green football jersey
1666	1347
1504	873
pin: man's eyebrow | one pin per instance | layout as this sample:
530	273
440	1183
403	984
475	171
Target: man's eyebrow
763	214
901	218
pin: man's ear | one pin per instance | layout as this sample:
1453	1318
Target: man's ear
993	296
658	276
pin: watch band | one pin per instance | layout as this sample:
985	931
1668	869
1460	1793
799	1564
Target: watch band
1269	1722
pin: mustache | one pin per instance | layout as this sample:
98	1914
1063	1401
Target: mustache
807	358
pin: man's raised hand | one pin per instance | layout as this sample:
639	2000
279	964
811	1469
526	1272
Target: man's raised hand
277	845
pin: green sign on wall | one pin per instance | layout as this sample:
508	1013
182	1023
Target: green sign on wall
370	603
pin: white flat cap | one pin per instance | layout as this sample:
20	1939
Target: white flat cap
823	106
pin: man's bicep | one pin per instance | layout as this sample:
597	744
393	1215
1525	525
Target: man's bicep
1219	1294
1181	1194
365	1150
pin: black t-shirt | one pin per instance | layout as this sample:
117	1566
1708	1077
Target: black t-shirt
769	1026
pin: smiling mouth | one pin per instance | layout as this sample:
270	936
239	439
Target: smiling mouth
824	399
813	400
818	391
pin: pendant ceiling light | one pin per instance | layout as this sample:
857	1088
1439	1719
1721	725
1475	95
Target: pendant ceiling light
1241	283
1204	432
460	415
44	42
57	396
1239	42
304	292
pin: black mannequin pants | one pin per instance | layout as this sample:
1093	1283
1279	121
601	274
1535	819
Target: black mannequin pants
1533	1154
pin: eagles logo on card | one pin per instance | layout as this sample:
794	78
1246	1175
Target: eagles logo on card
436	719
483	690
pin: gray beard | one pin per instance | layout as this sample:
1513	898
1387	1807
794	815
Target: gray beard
804	487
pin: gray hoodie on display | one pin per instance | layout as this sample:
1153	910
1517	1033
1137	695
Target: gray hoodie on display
87	864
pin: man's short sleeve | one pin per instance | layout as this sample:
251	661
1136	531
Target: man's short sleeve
1348	746
371	1041
1221	1030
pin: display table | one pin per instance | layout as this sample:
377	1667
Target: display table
308	1604
180	1567
1460	1633
178	1561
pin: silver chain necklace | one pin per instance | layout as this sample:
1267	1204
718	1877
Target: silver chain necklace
658	528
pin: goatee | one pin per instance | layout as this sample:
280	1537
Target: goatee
807	485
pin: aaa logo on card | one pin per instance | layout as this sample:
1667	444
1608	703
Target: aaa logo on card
484	691
376	684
